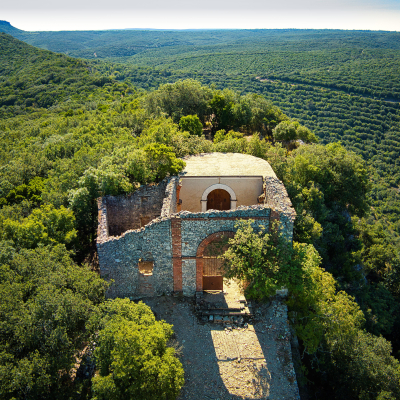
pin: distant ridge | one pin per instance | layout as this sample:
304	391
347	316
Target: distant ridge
6	27
121	44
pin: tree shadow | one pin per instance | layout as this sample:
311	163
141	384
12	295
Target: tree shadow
218	363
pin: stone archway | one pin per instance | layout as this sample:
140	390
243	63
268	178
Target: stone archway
208	276
216	186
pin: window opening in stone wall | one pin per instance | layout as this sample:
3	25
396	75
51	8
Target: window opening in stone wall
146	267
219	199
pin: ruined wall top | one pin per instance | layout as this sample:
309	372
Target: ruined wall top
226	164
276	196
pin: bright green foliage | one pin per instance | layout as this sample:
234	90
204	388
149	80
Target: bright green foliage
324	316
287	131
137	167
162	161
340	175
133	357
232	146
108	179
45	225
261	260
221	135
164	130
191	124
257	147
328	184
31	192
46	301
153	163
185	144
160	130
178	99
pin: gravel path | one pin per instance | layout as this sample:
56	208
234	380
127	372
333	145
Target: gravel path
232	363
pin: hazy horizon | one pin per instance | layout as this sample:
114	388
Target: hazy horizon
45	15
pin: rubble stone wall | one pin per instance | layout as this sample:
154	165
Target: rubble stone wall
197	226
189	276
276	196
119	259
171	239
170	200
136	210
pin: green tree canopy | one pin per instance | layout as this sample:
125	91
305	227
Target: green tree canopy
133	356
287	131
185	97
191	124
46	303
339	174
328	322
45	225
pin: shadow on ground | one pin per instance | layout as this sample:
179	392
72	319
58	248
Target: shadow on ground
230	363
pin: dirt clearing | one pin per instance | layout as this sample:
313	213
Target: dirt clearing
227	362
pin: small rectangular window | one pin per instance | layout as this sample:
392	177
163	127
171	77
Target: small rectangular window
146	267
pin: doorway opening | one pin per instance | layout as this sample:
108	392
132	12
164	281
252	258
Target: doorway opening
219	199
213	264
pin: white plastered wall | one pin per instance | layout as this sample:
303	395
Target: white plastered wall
245	188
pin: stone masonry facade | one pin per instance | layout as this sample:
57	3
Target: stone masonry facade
145	227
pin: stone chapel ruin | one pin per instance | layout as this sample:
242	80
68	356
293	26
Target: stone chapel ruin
157	240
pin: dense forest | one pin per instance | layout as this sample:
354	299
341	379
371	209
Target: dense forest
72	130
343	85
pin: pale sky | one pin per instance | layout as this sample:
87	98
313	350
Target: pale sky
55	15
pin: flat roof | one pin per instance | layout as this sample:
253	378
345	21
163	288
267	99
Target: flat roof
226	164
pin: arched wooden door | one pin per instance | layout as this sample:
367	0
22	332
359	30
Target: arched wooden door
219	199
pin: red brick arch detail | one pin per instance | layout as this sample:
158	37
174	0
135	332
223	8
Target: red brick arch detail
200	252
